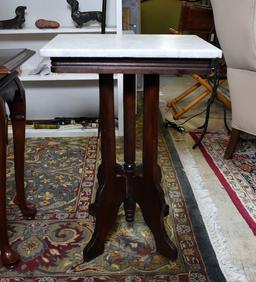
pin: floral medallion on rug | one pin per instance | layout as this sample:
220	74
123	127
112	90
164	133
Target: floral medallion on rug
60	178
237	175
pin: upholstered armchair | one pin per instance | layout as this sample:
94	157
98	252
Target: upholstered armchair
235	24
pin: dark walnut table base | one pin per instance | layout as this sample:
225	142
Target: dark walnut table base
130	183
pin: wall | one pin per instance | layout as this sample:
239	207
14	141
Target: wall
158	15
46	95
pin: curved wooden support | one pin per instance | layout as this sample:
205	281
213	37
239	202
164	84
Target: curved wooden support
158	178
101	180
110	199
18	117
233	141
9	257
153	207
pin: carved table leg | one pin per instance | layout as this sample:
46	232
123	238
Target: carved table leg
129	143
9	257
149	194
18	116
112	192
100	174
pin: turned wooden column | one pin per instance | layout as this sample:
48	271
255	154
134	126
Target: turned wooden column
129	143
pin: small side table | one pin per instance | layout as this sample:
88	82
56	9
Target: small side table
12	92
150	55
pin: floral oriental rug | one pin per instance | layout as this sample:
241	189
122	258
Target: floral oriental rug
61	180
237	175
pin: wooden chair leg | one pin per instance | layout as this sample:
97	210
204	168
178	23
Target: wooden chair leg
178	112
18	116
173	104
184	94
194	102
9	257
207	85
233	141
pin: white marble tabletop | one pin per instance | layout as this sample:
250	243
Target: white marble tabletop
129	46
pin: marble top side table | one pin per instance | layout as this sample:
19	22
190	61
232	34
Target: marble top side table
150	55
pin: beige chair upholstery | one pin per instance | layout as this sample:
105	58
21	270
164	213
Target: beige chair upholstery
235	23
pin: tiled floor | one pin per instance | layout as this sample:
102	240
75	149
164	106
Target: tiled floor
233	241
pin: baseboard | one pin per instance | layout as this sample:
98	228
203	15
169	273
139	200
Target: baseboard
60	132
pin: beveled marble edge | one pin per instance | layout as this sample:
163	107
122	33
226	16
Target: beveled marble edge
129	46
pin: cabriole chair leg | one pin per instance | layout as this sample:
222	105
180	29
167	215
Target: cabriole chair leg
18	117
233	141
15	97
